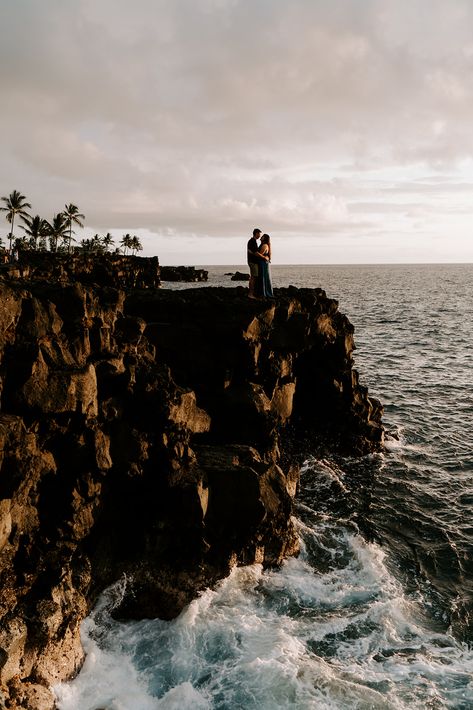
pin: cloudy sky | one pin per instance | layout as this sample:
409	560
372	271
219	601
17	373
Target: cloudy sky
344	128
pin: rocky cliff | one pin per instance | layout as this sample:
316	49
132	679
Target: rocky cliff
87	268
142	433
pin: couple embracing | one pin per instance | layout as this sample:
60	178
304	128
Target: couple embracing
259	257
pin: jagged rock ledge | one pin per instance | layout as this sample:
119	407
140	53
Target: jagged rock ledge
116	270
141	433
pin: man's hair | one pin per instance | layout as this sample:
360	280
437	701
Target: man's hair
256	231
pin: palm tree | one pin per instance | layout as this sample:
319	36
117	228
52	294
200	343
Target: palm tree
56	230
136	245
14	205
97	244
72	216
126	242
86	245
36	227
107	241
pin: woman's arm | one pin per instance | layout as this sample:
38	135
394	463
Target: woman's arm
263	251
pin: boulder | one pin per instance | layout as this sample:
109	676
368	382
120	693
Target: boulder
240	276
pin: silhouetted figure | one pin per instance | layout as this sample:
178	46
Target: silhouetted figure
254	261
265	287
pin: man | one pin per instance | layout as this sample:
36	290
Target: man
253	261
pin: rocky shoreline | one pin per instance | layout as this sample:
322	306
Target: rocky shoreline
115	270
143	433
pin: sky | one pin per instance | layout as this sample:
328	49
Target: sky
343	128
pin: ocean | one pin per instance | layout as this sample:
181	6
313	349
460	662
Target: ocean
376	612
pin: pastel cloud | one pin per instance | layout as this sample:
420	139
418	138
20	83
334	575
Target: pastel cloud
341	120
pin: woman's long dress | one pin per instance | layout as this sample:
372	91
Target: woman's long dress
265	285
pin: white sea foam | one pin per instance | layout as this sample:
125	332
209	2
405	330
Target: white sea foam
183	696
347	638
328	474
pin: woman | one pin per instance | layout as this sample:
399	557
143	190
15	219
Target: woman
265	287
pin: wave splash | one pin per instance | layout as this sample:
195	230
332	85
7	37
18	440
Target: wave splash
332	629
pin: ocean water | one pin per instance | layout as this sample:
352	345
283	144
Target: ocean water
376	611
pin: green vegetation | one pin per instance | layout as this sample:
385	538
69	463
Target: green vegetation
39	233
36	229
132	243
15	204
57	230
72	216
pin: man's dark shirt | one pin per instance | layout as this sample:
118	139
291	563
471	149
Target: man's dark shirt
251	248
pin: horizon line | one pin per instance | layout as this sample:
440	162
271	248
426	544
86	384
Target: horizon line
355	263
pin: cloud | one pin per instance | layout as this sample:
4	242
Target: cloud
206	117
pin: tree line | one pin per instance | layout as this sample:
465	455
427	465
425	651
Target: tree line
56	235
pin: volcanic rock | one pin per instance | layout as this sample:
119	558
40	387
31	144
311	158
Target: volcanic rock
141	435
240	276
183	273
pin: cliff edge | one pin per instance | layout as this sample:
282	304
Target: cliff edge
142	433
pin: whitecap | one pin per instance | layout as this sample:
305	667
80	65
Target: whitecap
347	638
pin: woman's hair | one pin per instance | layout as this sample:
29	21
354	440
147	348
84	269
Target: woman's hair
265	239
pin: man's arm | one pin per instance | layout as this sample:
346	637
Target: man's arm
256	254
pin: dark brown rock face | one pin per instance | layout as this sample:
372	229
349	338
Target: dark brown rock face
183	273
141	434
104	269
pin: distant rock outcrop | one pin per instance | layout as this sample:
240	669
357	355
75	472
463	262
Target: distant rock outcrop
141	433
240	276
183	273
